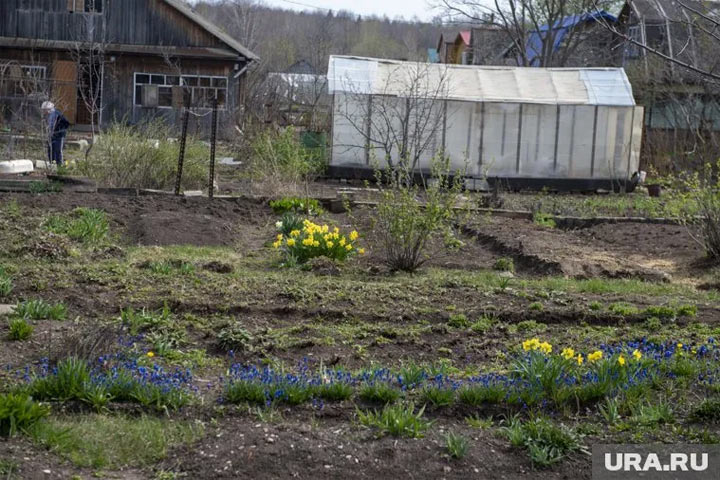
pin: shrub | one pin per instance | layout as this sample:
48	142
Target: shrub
144	156
20	329
308	206
18	412
544	220
702	212
86	225
396	420
405	226
281	162
504	264
40	310
545	442
456	445
317	241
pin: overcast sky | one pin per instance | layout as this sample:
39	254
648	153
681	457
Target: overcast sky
391	8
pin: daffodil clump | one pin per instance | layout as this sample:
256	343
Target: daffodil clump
313	240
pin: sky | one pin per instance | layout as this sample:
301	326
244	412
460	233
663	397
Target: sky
391	8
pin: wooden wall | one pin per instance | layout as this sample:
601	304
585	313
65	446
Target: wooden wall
135	22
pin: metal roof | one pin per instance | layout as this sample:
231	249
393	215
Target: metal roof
574	86
211	28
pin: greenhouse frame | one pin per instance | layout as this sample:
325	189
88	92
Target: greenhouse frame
560	128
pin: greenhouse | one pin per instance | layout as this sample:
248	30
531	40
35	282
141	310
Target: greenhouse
565	128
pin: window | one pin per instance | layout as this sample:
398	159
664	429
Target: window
85	6
22	80
198	90
632	50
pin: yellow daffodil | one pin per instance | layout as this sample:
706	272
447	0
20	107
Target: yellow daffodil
277	244
361	251
348	247
295	233
150	354
621	361
342	242
679	345
329	245
336	230
354	235
280	236
531	344
579	359
316	243
546	348
325	229
291	242
595	356
567	353
636	354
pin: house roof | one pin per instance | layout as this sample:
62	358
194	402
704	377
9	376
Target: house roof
465	36
573	86
536	40
211	29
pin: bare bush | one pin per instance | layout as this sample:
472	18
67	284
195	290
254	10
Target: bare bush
144	157
703	212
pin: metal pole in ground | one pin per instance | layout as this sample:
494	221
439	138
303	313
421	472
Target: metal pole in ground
213	141
181	157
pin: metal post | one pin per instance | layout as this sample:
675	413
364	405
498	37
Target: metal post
181	156
213	141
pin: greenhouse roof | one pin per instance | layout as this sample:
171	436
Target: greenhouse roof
575	86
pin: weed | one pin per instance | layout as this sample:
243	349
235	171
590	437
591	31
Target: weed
536	307
595	306
396	420
235	337
647	414
610	411
6	284
476	421
18	412
544	220
457	446
308	206
483	324
530	326
653	324
379	393
707	411
504	264
40	310
687	311
458	320
545	442
623	309
660	311
19	329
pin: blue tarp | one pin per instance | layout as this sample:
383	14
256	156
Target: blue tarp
433	55
534	46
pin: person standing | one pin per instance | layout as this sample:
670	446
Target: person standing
57	129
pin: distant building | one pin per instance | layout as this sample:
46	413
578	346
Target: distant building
298	96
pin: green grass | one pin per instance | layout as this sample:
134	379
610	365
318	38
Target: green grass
114	442
86	225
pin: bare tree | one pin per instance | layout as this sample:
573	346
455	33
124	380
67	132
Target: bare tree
533	27
404	118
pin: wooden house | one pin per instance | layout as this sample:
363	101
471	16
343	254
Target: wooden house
107	60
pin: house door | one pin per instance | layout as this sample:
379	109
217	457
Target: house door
89	93
64	91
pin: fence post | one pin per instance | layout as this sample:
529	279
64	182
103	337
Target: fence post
213	141
181	156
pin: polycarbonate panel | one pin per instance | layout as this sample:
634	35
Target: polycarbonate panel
386	129
501	139
459	116
537	141
580	142
348	121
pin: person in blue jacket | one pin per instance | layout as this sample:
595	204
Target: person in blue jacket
57	129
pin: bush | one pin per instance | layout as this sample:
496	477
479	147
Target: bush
406	226
18	412
702	212
281	162
143	156
20	329
85	225
317	241
504	264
